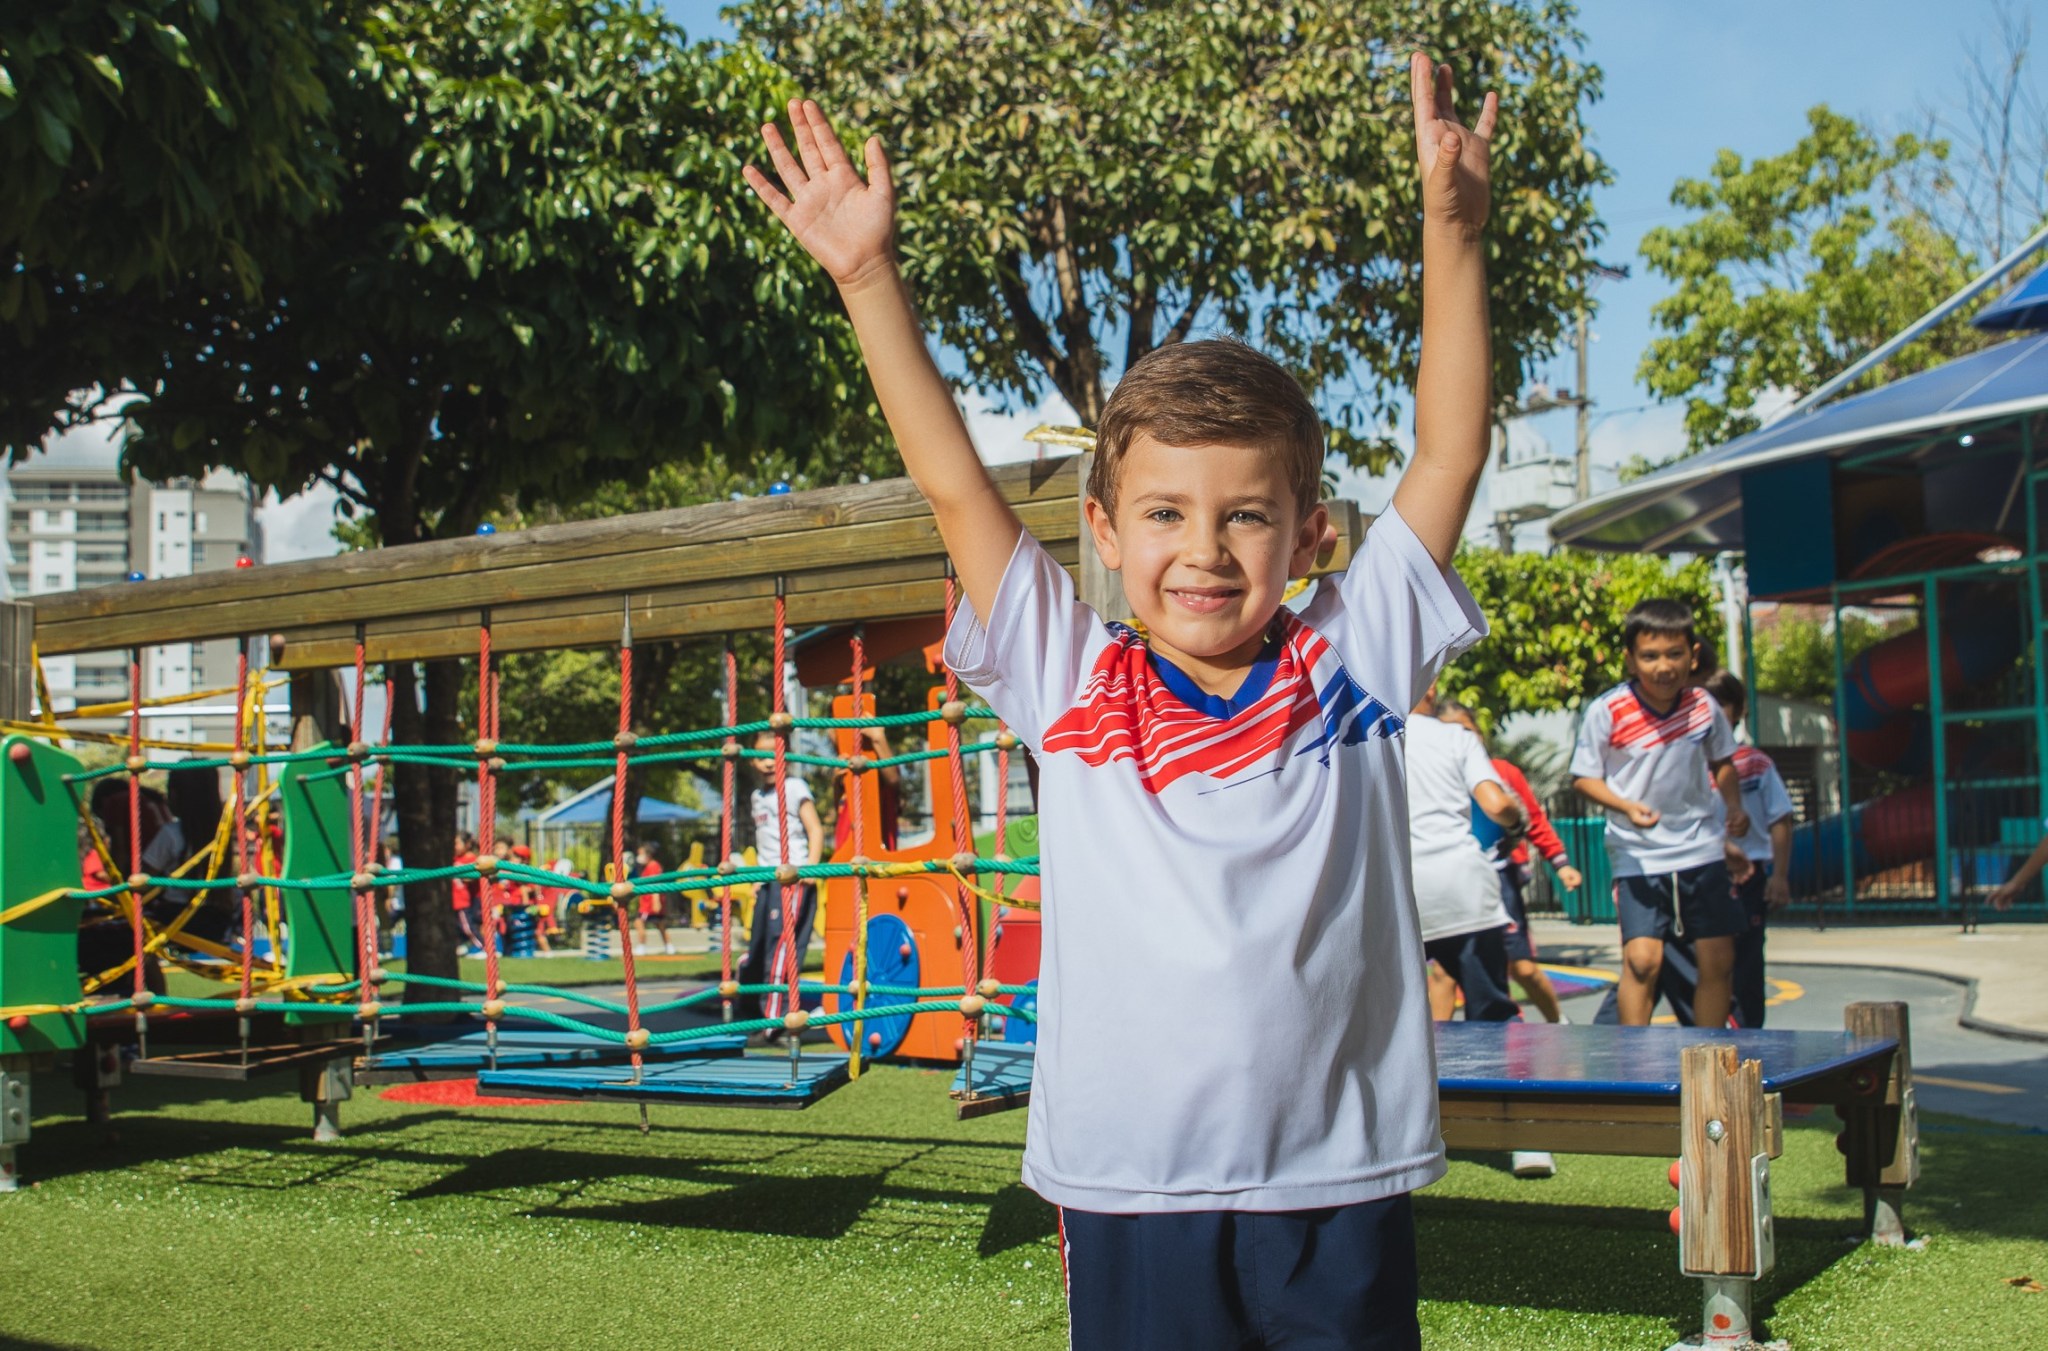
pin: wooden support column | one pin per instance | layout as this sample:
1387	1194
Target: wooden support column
1725	1230
1881	1132
1099	589
17	661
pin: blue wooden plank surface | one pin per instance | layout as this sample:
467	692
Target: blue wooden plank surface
471	1051
1590	1060
1001	1069
731	1081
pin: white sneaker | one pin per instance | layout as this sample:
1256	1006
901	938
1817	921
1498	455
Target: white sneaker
1534	1163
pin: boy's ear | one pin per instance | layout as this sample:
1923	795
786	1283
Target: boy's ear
1309	538
1103	531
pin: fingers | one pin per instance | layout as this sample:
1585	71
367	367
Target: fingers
830	151
1419	75
806	138
766	191
1446	100
1447	149
1489	113
786	167
879	177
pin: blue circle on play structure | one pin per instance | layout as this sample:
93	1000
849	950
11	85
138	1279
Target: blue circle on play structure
779	488
487	529
889	938
1023	1029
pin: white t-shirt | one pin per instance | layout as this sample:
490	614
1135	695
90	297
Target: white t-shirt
1764	799
767	839
1246	857
1663	760
1457	890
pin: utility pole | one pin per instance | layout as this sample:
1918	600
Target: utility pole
1584	488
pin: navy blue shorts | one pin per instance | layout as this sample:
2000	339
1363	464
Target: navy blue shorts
1692	904
1514	899
1233	1280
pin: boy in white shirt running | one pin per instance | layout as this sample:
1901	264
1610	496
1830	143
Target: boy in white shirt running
1224	818
1654	751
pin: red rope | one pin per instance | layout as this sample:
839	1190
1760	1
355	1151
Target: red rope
732	717
135	810
856	789
787	958
487	801
963	828
619	872
241	818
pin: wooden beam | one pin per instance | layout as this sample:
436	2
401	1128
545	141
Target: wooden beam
862	551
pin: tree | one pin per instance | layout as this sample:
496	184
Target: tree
1083	178
144	142
1556	624
1793	269
541	273
1795	652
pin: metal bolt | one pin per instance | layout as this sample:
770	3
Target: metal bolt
1715	1131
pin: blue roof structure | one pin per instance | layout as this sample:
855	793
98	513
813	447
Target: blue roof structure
1696	504
2022	309
594	806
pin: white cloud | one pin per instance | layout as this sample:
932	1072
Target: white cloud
300	526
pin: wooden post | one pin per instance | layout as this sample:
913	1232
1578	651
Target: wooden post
1100	589
1725	1230
1881	1133
17	664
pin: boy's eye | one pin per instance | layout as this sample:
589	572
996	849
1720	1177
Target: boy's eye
1163	515
1248	517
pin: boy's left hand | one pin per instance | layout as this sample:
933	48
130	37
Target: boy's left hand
1454	159
1777	893
1738	824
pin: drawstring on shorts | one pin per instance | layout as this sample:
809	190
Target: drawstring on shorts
1677	912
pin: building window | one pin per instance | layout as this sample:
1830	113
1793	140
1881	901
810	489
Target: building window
199	521
53	581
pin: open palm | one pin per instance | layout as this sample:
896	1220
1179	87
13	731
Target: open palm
844	221
1454	158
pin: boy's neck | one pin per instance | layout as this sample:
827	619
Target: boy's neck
1222	675
1643	694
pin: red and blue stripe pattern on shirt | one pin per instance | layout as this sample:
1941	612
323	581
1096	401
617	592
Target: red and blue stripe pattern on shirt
1751	765
1636	724
1129	709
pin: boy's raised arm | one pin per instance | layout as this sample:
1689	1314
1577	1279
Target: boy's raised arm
1454	386
848	224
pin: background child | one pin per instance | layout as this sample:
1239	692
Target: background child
1767	845
1654	751
806	831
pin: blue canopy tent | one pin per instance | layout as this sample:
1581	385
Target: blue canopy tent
2022	309
593	806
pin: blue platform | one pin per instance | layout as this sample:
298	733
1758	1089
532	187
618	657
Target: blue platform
1596	1061
1001	1078
693	1080
465	1053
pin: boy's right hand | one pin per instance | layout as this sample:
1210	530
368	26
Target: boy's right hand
1642	815
848	224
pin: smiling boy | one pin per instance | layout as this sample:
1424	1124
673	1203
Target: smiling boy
1223	822
1654	751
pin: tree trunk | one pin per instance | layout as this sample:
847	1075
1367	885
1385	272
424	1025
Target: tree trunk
425	802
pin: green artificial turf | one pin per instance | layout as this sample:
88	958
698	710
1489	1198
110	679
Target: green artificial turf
871	1220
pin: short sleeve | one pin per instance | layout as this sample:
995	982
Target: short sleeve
1027	655
1720	741
799	791
1396	615
1777	801
1589	760
1474	763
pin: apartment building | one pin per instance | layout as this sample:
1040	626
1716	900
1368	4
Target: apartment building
72	522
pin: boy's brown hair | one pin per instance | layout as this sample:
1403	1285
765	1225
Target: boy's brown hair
1215	391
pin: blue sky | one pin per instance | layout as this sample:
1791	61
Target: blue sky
1683	80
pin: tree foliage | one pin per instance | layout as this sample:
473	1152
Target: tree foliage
1793	268
1556	624
1795	651
1077	177
144	143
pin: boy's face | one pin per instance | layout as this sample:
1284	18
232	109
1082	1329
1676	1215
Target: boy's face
1206	538
1661	663
765	768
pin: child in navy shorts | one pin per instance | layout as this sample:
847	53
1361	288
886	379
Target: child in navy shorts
1655	751
1223	813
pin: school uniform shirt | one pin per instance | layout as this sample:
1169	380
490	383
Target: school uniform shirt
1664	760
1456	888
1764	798
1243	857
767	838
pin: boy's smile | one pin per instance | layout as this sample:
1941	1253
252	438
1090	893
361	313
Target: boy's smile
1206	538
1660	663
